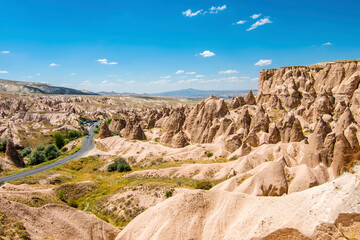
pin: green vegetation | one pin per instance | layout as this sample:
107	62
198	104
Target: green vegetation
3	145
72	135
59	140
209	154
42	154
120	165
233	158
204	185
26	152
52	152
108	121
169	193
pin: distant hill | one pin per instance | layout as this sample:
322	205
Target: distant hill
189	93
44	88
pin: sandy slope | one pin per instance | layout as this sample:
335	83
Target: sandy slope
218	214
59	222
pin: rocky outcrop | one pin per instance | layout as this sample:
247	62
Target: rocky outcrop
117	125
104	131
199	122
249	98
13	155
290	128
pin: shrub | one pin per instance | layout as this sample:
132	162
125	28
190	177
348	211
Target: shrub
73	203
64	149
3	144
85	132
1	167
233	158
209	154
40	148
59	140
37	157
120	165
26	152
168	194
73	134
61	196
116	133
203	185
52	152
108	121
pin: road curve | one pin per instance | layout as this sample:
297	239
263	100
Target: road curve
87	145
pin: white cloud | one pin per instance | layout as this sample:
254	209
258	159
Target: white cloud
263	62
3	72
255	79
5	52
130	82
164	81
111	76
217	80
327	44
72	74
207	54
165	77
217	9
105	82
241	22
54	65
199	76
259	23
255	16
191	73
182	77
179	71
105	61
38	74
189	13
228	72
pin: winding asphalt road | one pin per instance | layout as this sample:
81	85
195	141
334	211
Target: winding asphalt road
87	145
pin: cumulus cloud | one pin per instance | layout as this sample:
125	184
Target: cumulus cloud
179	71
191	73
259	23
54	65
217	80
228	72
165	77
240	22
217	9
189	13
5	52
199	76
255	79
207	54
255	16
105	61
163	81
327	44
263	62
3	72
72	74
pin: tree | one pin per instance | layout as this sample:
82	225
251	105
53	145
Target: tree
37	157
59	140
52	152
3	144
73	134
26	152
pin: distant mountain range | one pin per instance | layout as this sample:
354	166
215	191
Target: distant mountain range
44	88
189	93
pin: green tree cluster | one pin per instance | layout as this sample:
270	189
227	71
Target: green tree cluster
120	165
42	154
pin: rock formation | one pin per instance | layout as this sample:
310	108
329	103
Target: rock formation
13	155
104	131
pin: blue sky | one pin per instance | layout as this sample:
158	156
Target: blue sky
154	46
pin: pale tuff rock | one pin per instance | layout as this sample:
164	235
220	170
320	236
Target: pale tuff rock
117	125
260	121
344	121
104	131
249	98
290	128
